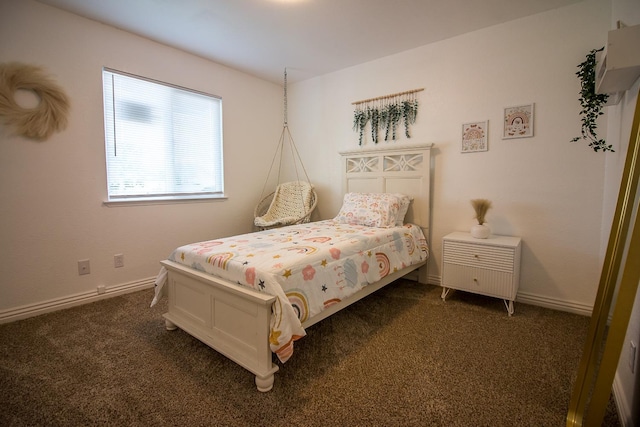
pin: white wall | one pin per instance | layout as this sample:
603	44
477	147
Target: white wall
51	192
544	189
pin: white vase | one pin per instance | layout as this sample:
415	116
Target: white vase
480	231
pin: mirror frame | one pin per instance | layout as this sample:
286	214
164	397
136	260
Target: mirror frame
603	346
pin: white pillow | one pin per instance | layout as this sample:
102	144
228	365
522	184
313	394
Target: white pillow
404	208
369	209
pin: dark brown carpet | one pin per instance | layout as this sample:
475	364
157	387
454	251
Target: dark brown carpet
399	357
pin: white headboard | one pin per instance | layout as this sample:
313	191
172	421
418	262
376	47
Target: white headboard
393	169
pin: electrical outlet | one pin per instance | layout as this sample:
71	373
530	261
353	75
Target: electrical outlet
118	260
84	267
632	356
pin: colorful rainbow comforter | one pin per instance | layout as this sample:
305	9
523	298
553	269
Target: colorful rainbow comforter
307	267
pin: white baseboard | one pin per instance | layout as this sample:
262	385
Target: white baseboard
554	303
541	301
31	310
434	280
624	411
36	309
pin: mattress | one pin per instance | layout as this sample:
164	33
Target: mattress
307	267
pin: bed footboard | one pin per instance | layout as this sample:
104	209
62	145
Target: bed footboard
232	320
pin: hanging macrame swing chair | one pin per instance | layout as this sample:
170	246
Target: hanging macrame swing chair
291	202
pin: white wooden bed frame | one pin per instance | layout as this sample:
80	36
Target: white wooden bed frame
235	321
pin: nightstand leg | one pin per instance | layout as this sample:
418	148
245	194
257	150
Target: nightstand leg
509	305
445	292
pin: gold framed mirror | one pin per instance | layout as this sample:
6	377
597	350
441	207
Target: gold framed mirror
603	345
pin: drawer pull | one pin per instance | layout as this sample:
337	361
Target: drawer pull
476	256
475	280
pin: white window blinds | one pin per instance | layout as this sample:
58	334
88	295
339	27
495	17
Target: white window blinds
162	141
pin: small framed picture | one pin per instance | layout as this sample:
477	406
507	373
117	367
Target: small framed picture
474	137
518	122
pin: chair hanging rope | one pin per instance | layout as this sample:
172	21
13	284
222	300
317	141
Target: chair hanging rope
291	202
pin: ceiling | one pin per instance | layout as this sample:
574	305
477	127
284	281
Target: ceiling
308	37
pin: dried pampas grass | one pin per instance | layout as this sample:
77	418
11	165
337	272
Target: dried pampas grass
481	206
50	115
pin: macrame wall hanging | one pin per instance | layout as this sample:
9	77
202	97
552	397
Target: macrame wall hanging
385	113
39	122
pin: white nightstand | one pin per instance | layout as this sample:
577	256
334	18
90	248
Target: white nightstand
484	266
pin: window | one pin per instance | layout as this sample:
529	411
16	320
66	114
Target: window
163	142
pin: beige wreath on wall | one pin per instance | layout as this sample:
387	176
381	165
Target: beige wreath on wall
39	122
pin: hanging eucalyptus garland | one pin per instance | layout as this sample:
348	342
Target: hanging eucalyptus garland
395	112
409	114
374	117
386	113
385	119
360	119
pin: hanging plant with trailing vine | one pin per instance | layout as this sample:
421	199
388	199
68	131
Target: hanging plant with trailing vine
591	103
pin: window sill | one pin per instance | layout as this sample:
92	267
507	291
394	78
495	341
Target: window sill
162	201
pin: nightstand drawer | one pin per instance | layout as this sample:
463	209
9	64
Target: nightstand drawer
473	255
479	280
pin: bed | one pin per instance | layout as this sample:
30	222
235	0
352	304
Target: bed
252	296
